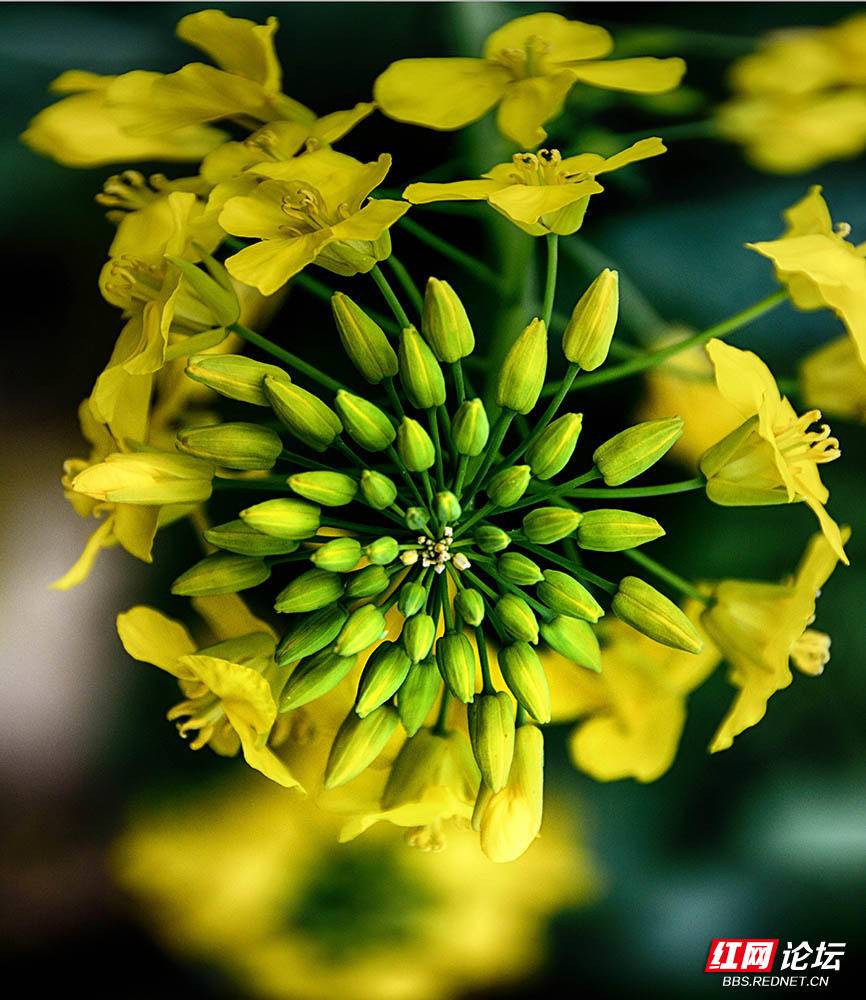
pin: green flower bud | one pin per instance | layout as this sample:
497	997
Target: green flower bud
349	257
447	506
417	694
420	373
364	626
304	415
521	377
315	677
414	446
385	671
546	525
417	518
377	489
555	446
526	679
234	446
317	588
518	568
367	582
635	449
283	518
574	639
338	556
469	604
470	428
615	530
589	332
455	658
382	551
365	423
363	340
517	618
491	731
445	323
330	489
564	595
234	376
310	633
358	743
221	573
508	485
236	536
491	539
418	634
412	599
214	289
645	609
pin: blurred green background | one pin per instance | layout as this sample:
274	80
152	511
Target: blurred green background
767	839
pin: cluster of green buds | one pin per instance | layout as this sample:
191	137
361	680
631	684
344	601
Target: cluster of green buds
405	535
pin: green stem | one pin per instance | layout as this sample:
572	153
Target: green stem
303	461
406	283
360	529
265	483
440	727
665	489
486	510
433	424
325	293
459	382
462	464
500	429
572	567
390	297
292	360
483	273
393	398
663	573
547	416
404	472
447	610
654	358
481	643
555	491
550	278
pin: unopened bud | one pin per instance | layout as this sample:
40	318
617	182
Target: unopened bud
317	588
510	820
566	596
304	415
148	478
635	449
491	731
645	609
233	446
377	489
469	604
456	661
412	599
331	489
221	573
447	506
491	539
383	674
521	377
365	423
382	551
523	673
417	694
417	518
214	288
234	376
508	485
517	618
363	340
418	634
616	530
283	517
363	627
574	639
310	633
589	332
367	582
414	446
431	761
445	323
519	569
315	677
470	428
241	538
546	525
358	743
553	450
338	556
420	373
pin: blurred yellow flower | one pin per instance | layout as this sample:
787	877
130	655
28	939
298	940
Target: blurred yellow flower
539	192
258	890
819	267
833	379
311	208
633	712
528	68
760	626
772	457
800	100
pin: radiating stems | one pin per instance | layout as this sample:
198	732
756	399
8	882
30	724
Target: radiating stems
667	575
406	283
459	382
547	416
462	465
433	424
550	278
653	358
665	489
531	499
572	567
440	727
479	515
390	297
264	483
292	360
391	452
497	435
481	643
483	273
393	398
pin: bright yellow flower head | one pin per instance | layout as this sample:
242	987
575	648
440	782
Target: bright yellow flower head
760	626
773	456
800	100
819	267
539	192
833	379
312	208
229	686
634	710
528	68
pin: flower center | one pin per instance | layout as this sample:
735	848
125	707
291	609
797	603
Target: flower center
435	552
797	443
202	713
541	169
811	652
306	211
127	192
132	280
526	61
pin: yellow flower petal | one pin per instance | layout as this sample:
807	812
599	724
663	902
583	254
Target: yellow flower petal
564	40
102	538
135	528
527	204
439	93
235	44
593	163
528	103
260	756
424	193
256	214
644	75
152	637
809	216
242	691
339	179
742	378
374	218
330	128
268	265
227	615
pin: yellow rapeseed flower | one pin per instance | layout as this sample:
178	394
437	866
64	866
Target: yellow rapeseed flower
773	456
539	192
833	379
759	627
528	68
